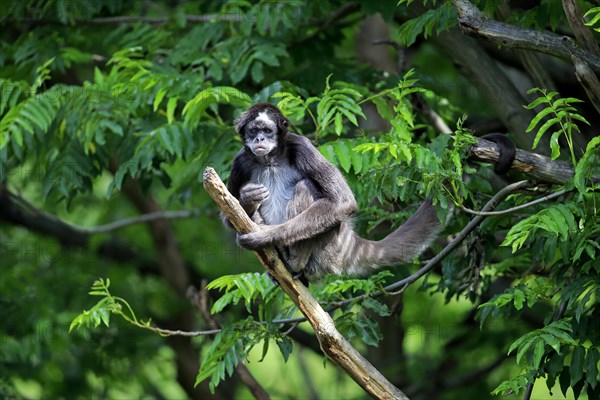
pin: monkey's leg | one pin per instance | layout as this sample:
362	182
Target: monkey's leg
299	253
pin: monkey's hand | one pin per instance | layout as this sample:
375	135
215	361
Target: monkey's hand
256	240
252	195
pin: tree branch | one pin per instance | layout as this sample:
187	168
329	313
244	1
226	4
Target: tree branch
180	214
474	23
333	344
588	80
17	210
517	208
131	19
536	166
584	35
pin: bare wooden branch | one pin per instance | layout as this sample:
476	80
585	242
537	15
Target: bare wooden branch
516	208
536	166
474	23
333	344
19	211
584	35
132	19
588	80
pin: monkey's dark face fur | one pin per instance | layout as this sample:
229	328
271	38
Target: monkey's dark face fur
263	129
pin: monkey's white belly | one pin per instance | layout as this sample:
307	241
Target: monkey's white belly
280	181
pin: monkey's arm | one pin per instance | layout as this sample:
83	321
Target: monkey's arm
334	203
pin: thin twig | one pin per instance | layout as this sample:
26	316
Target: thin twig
516	208
180	214
26	206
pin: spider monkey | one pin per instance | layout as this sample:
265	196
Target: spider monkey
304	205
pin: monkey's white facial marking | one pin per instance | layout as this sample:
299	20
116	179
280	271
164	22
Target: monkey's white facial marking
264	117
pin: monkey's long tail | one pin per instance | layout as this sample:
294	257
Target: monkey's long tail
400	246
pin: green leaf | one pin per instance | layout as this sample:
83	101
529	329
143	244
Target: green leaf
525	348
519	299
158	98
576	367
538	353
171	105
378	307
552	341
342	151
543	130
338	124
554	145
592	369
285	347
538	118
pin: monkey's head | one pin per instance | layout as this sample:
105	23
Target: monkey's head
263	128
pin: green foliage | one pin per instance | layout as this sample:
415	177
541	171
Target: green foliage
560	112
350	320
109	304
431	22
594	17
558	221
235	341
30	116
251	287
333	106
548	13
194	109
588	167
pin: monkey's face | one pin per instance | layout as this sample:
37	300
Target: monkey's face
260	135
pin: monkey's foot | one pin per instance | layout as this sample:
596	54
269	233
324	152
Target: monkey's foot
301	277
255	240
275	281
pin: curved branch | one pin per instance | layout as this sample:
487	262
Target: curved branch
153	216
17	210
474	23
517	208
333	344
132	19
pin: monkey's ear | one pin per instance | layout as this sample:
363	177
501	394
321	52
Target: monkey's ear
282	124
241	122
